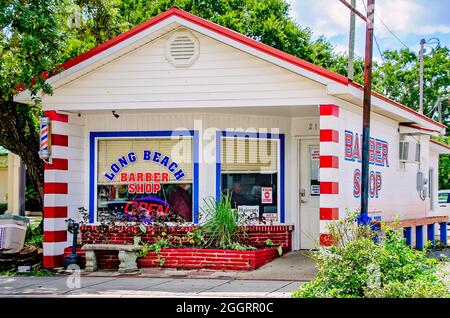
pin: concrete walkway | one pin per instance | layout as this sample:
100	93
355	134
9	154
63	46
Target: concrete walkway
278	278
70	286
293	266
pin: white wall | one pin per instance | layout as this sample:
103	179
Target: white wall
222	76
434	163
398	196
206	123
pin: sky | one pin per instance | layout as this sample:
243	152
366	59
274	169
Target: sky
409	20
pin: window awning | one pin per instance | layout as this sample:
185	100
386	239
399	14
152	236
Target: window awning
411	129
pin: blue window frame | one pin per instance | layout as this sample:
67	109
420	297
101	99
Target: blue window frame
280	137
94	136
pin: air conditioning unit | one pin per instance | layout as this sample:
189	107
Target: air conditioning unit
409	151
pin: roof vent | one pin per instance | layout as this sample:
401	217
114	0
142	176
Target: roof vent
182	49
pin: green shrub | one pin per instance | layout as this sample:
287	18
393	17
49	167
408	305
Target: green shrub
33	236
221	229
355	266
3	207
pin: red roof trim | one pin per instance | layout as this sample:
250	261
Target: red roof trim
237	37
440	144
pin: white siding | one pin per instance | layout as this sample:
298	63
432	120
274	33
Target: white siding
434	164
76	169
222	76
398	196
206	123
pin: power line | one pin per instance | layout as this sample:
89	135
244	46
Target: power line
378	47
387	28
403	43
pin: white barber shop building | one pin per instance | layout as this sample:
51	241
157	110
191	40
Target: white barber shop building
179	109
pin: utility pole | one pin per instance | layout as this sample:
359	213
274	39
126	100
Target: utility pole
351	43
366	111
440	110
369	19
421	53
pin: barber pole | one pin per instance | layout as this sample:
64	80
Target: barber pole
44	149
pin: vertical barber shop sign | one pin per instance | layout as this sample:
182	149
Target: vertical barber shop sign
378	158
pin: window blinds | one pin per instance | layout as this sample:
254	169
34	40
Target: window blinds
240	155
179	150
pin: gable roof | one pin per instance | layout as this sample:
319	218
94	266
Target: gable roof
307	69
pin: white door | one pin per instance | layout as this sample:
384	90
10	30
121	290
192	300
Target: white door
309	195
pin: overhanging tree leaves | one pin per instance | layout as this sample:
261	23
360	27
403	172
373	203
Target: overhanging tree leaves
29	45
398	78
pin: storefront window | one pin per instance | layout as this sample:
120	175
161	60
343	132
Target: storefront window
249	173
145	179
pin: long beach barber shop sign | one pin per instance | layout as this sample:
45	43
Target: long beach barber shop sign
145	182
378	157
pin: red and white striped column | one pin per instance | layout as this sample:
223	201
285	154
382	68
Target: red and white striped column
55	192
329	170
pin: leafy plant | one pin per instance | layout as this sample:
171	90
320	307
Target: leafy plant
32	199
33	236
145	249
280	250
240	247
3	208
195	237
268	242
356	266
222	226
161	261
159	244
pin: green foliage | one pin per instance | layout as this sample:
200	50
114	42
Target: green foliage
159	244
240	247
37	272
268	242
3	207
398	78
30	43
161	261
358	267
32	199
145	249
196	237
280	250
156	247
222	226
34	236
444	163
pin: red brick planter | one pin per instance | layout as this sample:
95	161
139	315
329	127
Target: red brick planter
256	234
193	258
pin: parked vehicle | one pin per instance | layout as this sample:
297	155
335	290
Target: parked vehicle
444	202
